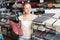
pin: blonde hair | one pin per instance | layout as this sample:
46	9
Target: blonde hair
25	4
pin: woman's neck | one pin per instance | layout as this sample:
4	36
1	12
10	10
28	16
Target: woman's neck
27	14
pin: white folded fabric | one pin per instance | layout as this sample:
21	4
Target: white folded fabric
57	25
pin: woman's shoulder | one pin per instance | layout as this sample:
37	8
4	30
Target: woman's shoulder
35	15
20	17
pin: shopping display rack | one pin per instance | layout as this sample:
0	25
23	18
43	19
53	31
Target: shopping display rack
44	29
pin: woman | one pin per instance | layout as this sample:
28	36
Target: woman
26	22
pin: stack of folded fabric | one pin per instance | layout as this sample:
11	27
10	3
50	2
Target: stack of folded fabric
57	26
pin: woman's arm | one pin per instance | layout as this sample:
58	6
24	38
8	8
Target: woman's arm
20	32
19	23
17	28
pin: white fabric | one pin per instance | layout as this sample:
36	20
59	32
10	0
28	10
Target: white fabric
50	21
56	11
57	25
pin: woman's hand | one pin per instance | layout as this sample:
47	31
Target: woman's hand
39	15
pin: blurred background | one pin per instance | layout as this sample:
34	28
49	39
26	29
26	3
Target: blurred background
45	28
